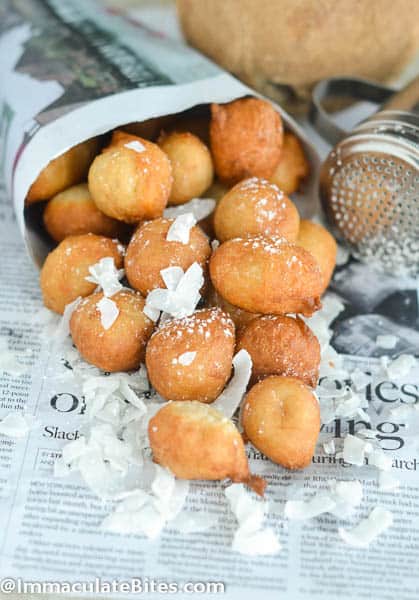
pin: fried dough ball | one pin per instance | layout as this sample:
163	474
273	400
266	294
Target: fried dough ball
150	128
198	124
267	275
122	346
64	271
65	170
73	212
246	139
322	245
280	345
293	166
255	206
149	252
281	418
239	316
131	179
191	162
191	358
195	441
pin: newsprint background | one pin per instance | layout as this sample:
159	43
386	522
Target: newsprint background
52	527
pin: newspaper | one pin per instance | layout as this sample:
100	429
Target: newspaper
51	527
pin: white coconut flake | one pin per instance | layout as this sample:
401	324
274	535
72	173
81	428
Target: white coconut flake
106	275
181	301
342	404
251	537
301	510
147	513
171	277
360	380
16	425
199	207
355	450
387	341
230	399
378	458
186	358
341	500
152	313
347	496
180	229
401	366
63	329
329	446
215	244
109	312
135	145
369	529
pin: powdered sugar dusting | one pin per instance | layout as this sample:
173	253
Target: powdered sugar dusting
180	229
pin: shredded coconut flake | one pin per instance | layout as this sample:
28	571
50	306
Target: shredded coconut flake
199	207
251	537
147	513
181	301
108	312
180	229
341	500
355	450
16	425
329	447
135	145
360	380
369	529
400	367
63	328
106	275
231	397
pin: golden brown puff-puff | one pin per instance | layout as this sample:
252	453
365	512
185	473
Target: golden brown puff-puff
191	358
121	347
293	166
255	206
64	272
131	180
191	162
267	275
239	316
280	345
246	139
73	212
281	418
322	245
149	252
62	172
195	441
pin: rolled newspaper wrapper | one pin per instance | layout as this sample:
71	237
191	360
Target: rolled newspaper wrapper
71	71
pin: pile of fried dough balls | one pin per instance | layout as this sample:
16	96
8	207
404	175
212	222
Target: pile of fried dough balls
267	271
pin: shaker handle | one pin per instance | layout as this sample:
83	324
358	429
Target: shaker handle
361	89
